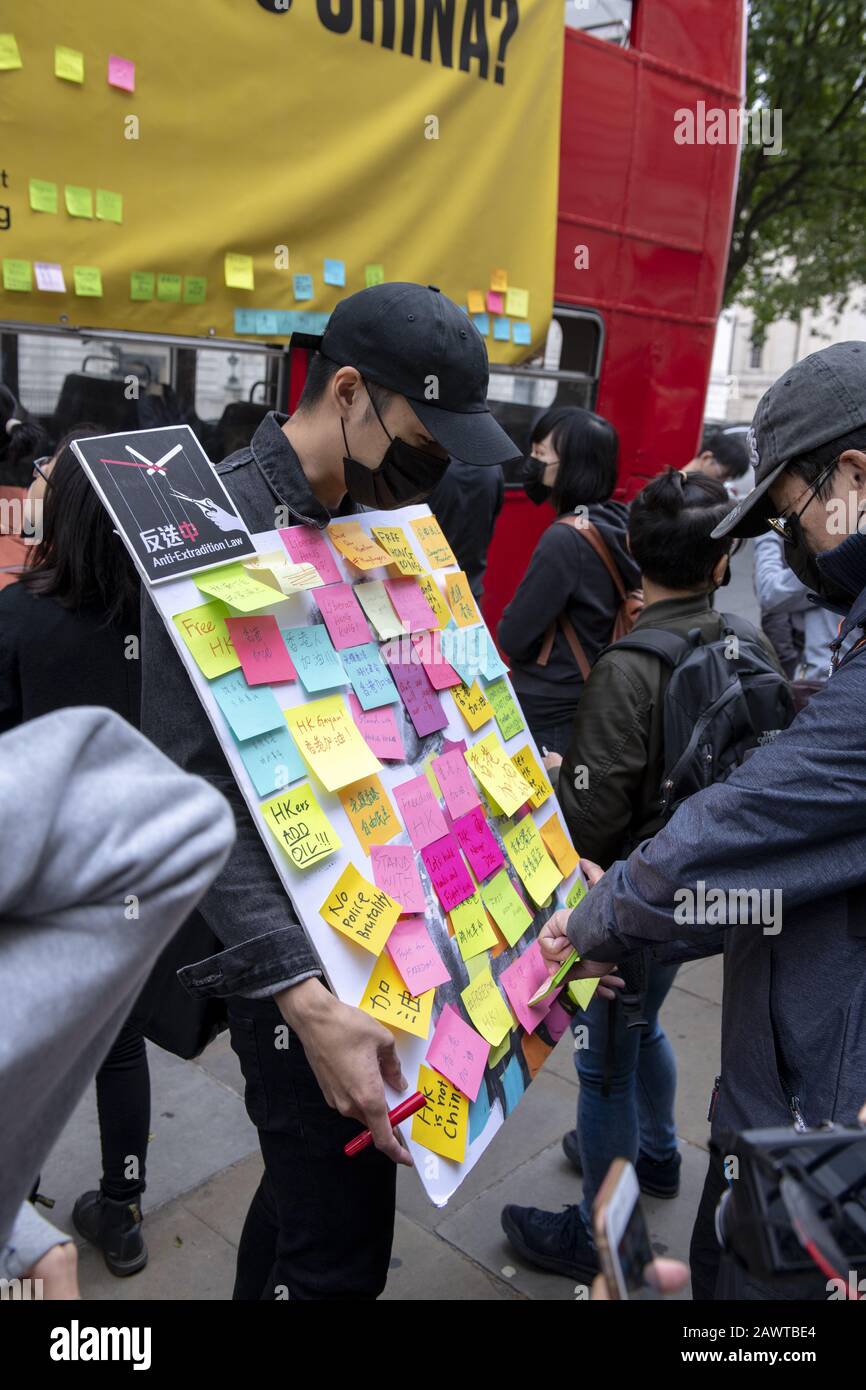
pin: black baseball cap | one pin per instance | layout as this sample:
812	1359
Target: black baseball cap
415	341
818	400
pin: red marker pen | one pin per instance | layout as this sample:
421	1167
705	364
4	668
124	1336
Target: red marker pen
395	1117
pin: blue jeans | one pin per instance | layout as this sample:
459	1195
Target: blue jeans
637	1114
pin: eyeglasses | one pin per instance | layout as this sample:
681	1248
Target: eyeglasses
783	524
39	468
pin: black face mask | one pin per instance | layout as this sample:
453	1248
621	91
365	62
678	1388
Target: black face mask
535	489
405	475
805	565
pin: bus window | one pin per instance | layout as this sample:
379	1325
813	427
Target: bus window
604	19
66	380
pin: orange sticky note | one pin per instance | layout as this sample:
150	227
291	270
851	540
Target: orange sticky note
475	302
356	546
555	838
499	280
433	542
368	807
458	596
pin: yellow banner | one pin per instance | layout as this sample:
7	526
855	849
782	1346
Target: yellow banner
235	167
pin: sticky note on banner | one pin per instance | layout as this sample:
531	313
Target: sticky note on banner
121	73
422	702
369	676
482	323
458	596
458	789
43	195
433	542
508	716
525	762
448	873
418	963
498	775
440	674
389	1000
204	632
501	330
238	269
278	572
78	200
307	546
314	658
87	281
335	272
49	277
525	848
249	709
506	907
517	302
370	812
68	63
495	304
168	287
394	540
300	826
344	620
411	607
443	1123
499	280
559	845
236	587
374	275
10	57
395	870
472	704
194	289
302	287
458	1053
521	333
435	600
477	842
272	760
142	285
492	665
17	275
475	301
360	911
260	646
356	546
329	742
378	728
373	598
464	649
485	1006
109	206
421	813
520	980
472	928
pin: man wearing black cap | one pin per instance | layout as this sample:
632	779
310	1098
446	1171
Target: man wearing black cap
791	820
397	387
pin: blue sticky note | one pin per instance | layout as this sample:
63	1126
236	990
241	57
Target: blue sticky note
250	709
482	323
513	1084
335	274
267	321
492	665
272	760
522	333
303	286
502	329
316	662
370	677
463	648
479	1113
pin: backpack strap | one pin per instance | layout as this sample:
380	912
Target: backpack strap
591	534
573	641
670	646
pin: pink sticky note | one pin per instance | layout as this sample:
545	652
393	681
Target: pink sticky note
411	949
344	620
458	789
307	546
557	1020
259	644
422	702
439	673
395	870
458	1052
121	73
449	745
379	730
495	302
476	840
420	811
521	980
410	605
448	873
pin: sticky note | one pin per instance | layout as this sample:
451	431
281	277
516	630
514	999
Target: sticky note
395	870
10	57
360	911
49	276
204	631
422	702
475	838
501	330
250	710
194	289
411	606
472	704
435	600
492	665
458	1052
473	930
497	1053
479	1114
525	848
475	301
87	280
109	206
508	716
276	570
521	333
428	648
448	873
356	546
68	63
496	772
344	620
433	542
314	658
373	598
431	776
142	284
369	809
262	651
576	893
236	587
506	907
302	286
495	304
301	827
369	676
378	728
389	1000
482	323
520	980
168	288
329	742
419	964
239	271
121	73
559	845
517	302
394	540
43	195
458	596
457	786
421	813
374	275
499	280
486	1007
272	760
335	272
79	201
443	1123
464	648
525	762
307	546
581	992
17	275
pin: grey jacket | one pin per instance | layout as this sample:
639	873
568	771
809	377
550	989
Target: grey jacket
780	591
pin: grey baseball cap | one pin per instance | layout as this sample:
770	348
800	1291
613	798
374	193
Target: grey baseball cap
819	399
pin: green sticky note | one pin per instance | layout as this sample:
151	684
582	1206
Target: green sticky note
9	55
141	283
168	288
79	201
508	716
109	206
374	275
194	289
88	281
576	892
68	63
43	195
17	275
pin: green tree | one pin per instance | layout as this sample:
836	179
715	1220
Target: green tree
798	235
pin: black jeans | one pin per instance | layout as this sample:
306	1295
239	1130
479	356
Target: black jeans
123	1105
320	1225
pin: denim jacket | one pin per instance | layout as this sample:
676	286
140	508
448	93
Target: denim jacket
247	908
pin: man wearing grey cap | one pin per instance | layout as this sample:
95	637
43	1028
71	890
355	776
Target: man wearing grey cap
791	821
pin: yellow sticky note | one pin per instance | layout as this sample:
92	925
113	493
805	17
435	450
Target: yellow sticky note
581	992
235	586
458	596
43	195
433	542
525	762
387	999
506	907
435	599
576	893
68	63
9	55
277	572
525	848
300	826
87	280
393	539
473	704
330	742
475	302
109	206
356	546
373	598
555	838
360	911
499	281
473	929
204	631
79	201
497	1053
369	808
498	775
443	1124
17	275
486	1007
517	302
431	775
239	271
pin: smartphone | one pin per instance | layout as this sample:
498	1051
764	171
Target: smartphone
621	1234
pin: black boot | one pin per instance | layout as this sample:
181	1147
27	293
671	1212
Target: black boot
115	1228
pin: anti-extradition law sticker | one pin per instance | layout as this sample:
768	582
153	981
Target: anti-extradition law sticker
166	500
